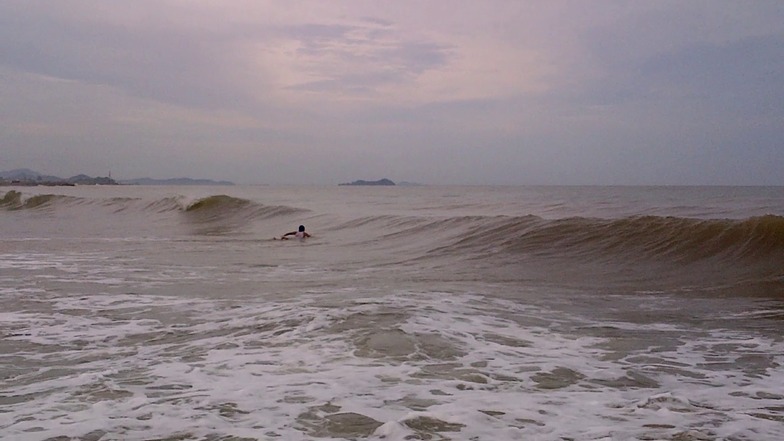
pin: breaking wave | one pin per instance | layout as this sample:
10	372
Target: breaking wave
13	200
221	214
212	209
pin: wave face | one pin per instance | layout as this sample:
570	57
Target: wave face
222	206
664	252
462	236
13	200
629	239
632	239
222	214
660	252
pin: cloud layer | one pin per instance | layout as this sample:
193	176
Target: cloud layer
562	92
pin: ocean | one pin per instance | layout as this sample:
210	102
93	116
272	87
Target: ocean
412	313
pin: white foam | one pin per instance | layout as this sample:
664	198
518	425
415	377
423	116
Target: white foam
142	367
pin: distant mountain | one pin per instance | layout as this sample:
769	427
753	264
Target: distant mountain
379	182
174	181
25	174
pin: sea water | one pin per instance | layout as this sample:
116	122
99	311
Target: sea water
466	313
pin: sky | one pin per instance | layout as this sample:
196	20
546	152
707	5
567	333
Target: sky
492	92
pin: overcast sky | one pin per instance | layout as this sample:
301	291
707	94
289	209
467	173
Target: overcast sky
439	92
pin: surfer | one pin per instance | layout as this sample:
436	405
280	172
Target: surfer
299	234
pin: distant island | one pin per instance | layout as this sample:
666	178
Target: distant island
362	182
27	177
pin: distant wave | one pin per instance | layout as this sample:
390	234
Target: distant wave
211	209
13	200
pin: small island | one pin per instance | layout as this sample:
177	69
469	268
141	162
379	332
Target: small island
384	181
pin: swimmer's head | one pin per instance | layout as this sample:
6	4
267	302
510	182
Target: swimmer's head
301	228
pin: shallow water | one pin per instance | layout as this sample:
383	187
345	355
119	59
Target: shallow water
412	313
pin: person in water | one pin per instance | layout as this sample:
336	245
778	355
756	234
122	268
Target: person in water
299	234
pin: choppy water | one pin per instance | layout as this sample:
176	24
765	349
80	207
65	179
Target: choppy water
479	313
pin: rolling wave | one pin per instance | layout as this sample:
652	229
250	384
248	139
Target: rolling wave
222	207
731	256
636	238
680	251
706	252
211	209
651	237
13	200
221	214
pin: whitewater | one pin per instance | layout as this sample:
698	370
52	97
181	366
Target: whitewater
412	313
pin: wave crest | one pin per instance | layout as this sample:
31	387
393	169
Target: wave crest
13	200
222	214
